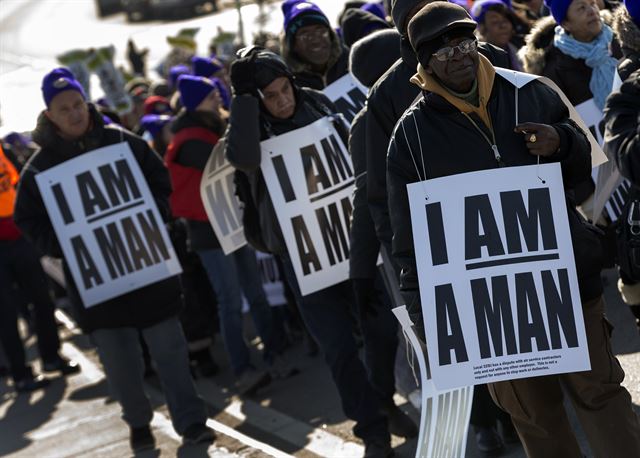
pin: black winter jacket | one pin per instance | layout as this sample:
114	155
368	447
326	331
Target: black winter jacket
388	99
628	33
249	124
622	132
195	153
140	308
364	245
453	145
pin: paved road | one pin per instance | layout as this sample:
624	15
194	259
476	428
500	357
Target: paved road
299	417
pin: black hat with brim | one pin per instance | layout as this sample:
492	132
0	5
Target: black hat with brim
436	20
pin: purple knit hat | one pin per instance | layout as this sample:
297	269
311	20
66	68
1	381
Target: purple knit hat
298	13
480	8
193	90
175	72
205	66
633	7
558	9
59	80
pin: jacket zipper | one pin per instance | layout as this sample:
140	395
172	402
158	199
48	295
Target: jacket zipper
493	145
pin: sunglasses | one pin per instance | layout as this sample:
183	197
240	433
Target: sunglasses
446	53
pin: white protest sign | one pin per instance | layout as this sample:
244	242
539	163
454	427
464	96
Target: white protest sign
497	276
444	415
217	191
309	176
348	95
271	278
611	187
107	222
519	79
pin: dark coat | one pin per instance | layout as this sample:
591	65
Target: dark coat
363	243
249	124
622	132
195	153
388	98
541	57
628	35
305	76
452	145
140	308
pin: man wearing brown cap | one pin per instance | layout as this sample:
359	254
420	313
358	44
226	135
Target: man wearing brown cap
463	123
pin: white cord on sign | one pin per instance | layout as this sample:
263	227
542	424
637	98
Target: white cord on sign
415	164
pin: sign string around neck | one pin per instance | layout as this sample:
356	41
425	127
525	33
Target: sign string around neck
515	76
422	178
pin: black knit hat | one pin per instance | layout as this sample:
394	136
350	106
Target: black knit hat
373	55
400	10
359	23
435	20
269	66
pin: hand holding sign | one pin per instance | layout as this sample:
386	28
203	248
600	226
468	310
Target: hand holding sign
541	139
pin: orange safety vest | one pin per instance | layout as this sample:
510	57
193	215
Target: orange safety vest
8	180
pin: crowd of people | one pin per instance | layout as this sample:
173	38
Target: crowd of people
435	107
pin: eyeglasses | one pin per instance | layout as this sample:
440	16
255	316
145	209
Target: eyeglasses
444	54
307	36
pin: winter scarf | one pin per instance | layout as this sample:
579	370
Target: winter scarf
596	55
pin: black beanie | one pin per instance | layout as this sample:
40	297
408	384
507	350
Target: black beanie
359	23
400	10
269	66
435	20
373	55
349	5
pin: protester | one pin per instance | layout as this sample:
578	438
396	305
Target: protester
20	264
157	105
197	130
622	114
572	48
310	47
463	95
358	23
214	69
267	102
68	128
388	98
497	25
369	58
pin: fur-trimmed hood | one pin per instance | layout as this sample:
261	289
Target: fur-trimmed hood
540	39
297	65
628	35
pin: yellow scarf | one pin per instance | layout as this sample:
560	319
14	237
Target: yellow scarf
486	75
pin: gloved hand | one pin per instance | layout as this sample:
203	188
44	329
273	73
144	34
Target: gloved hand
242	74
136	58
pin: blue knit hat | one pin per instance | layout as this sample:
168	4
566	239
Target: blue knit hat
558	9
154	123
298	13
480	8
59	80
193	90
175	72
633	7
205	66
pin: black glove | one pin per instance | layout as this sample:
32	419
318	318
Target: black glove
136	58
242	74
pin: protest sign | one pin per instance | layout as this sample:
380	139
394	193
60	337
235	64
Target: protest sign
217	191
271	278
348	95
309	176
106	220
444	415
497	276
100	61
611	187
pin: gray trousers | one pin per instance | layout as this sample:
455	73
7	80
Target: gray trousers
121	357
